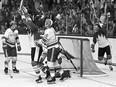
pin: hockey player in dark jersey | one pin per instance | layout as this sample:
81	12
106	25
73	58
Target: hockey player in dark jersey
46	44
10	40
104	46
34	36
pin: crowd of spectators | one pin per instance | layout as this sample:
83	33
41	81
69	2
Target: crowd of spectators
70	17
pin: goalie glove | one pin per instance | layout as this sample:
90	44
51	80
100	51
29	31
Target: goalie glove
93	48
19	48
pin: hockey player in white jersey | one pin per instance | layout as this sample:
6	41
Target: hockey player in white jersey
11	44
50	40
53	50
104	46
36	41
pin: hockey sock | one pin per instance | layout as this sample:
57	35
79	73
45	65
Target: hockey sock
13	64
6	64
109	62
58	71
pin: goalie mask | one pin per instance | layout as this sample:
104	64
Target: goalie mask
48	23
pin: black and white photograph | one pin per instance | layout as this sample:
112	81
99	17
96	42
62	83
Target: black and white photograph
57	43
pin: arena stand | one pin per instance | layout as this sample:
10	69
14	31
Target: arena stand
71	17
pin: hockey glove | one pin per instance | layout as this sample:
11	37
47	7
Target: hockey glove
92	48
19	48
4	47
4	44
37	44
60	60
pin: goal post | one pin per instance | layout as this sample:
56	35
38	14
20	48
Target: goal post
80	49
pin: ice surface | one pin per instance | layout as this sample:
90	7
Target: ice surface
27	77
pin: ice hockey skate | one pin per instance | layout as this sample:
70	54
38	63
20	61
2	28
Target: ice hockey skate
6	70
107	63
39	80
51	80
15	70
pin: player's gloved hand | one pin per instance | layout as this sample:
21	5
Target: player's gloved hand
92	48
60	60
37	44
5	47
4	44
19	48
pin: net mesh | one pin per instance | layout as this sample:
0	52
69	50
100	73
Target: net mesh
79	48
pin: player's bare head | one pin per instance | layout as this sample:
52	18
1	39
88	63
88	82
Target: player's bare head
48	23
97	27
13	25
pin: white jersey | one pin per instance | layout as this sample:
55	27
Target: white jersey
31	40
11	36
102	41
50	37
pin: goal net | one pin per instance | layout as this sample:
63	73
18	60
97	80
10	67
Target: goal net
80	49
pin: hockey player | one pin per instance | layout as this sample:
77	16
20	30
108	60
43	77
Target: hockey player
10	40
50	40
103	45
36	49
53	50
38	65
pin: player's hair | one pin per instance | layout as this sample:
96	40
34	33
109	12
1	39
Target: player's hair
48	22
12	22
102	30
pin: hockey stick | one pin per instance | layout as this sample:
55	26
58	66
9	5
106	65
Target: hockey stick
68	57
21	3
9	71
